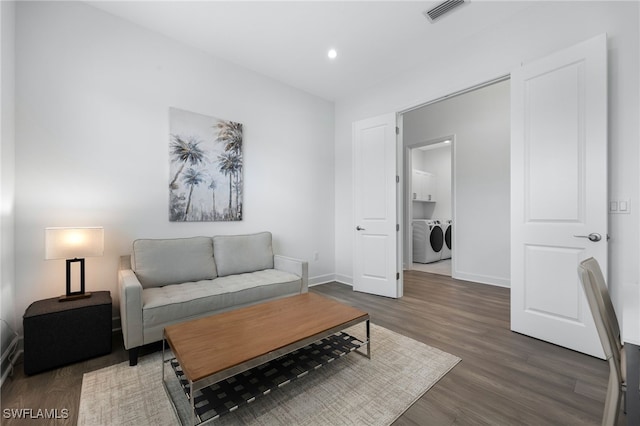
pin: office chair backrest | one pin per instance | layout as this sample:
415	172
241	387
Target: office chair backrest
602	310
606	321
594	268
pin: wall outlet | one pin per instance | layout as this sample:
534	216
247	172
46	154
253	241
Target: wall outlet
316	255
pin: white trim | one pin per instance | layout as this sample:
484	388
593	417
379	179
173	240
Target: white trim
400	197
458	93
344	279
482	279
321	279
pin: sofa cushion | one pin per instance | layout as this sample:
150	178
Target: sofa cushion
172	261
237	254
179	302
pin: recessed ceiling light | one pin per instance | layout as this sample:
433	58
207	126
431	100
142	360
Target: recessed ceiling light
447	141
332	54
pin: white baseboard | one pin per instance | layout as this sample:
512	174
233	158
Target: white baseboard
482	279
329	278
344	279
321	279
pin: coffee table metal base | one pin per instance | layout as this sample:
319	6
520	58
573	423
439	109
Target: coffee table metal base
213	400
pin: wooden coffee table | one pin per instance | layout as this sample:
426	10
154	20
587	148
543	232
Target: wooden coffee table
255	349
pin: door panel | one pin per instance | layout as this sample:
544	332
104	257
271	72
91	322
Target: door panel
373	170
558	192
559	93
375	250
375	236
551	272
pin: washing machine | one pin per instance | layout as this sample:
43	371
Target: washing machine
428	240
447	229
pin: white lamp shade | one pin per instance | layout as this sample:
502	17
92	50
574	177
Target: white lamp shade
71	243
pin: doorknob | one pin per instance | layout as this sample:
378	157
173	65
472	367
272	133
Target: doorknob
358	228
593	237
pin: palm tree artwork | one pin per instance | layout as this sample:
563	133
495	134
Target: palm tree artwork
213	186
192	178
230	163
185	151
205	168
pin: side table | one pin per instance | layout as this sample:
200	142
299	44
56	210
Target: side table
59	333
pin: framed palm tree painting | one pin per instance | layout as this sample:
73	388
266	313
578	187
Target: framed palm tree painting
205	168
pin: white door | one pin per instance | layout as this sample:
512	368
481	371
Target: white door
375	262
558	192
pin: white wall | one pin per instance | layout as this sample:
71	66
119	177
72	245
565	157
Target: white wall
92	101
7	171
419	209
495	52
480	121
438	162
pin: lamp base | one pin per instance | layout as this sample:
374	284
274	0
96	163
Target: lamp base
73	296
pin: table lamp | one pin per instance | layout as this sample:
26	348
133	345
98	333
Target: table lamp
74	244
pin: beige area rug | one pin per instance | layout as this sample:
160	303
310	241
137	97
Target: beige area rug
349	391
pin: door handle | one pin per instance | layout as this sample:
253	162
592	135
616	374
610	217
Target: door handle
358	228
593	237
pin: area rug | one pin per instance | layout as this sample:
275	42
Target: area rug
352	390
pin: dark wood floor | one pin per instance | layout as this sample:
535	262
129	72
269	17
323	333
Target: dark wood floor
504	378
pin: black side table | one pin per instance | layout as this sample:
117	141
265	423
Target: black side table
59	333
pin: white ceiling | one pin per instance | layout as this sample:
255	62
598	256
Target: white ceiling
289	40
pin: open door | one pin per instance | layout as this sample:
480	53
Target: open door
558	192
375	261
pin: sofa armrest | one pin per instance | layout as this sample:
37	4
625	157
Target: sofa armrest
130	292
294	266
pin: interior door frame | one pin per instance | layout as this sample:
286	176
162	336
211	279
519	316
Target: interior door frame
400	189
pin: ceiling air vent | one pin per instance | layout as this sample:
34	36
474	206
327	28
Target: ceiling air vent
442	9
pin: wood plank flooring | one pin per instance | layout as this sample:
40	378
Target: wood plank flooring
504	378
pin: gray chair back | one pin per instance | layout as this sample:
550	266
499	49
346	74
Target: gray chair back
595	288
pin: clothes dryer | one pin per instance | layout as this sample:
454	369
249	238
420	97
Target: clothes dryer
447	229
428	240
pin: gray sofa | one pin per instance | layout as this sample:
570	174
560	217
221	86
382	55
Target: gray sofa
166	281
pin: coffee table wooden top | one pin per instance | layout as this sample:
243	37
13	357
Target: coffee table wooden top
210	345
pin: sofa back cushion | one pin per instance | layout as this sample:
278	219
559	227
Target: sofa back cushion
173	261
237	254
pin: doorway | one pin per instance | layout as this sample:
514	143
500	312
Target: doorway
477	121
430	205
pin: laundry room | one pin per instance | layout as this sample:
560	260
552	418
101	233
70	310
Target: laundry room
431	206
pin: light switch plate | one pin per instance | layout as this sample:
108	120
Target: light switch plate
620	206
